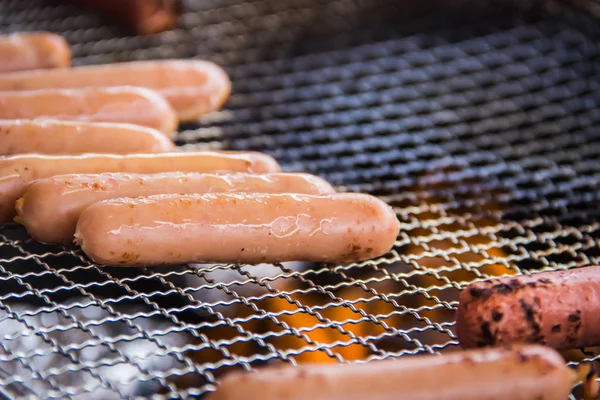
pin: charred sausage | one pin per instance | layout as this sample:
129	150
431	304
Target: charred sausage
192	87
521	373
50	207
36	50
123	104
18	172
559	309
236	228
64	137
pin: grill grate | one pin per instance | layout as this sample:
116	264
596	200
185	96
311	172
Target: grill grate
481	132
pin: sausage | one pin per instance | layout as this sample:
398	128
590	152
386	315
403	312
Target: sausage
236	228
18	172
559	309
123	104
67	137
192	87
518	373
50	207
37	50
143	16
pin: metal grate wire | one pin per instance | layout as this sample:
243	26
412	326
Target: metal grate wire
479	126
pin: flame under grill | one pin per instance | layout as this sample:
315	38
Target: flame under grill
480	128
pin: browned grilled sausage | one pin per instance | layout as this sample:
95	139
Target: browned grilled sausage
192	87
236	228
560	309
521	373
36	50
67	137
143	16
51	207
18	172
116	104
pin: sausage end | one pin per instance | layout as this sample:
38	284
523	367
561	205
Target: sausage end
215	92
59	55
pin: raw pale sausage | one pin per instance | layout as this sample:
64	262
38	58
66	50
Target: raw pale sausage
18	172
64	137
192	87
37	50
50	207
560	309
520	373
123	104
236	228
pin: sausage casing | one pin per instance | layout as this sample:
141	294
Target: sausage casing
143	16
67	137
36	50
116	104
558	308
18	172
236	228
519	373
51	207
192	87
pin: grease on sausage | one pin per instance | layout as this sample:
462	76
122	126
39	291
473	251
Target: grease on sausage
18	172
51	207
236	228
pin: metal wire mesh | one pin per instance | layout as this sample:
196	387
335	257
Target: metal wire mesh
481	131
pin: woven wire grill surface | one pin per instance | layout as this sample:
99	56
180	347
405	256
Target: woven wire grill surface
481	132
